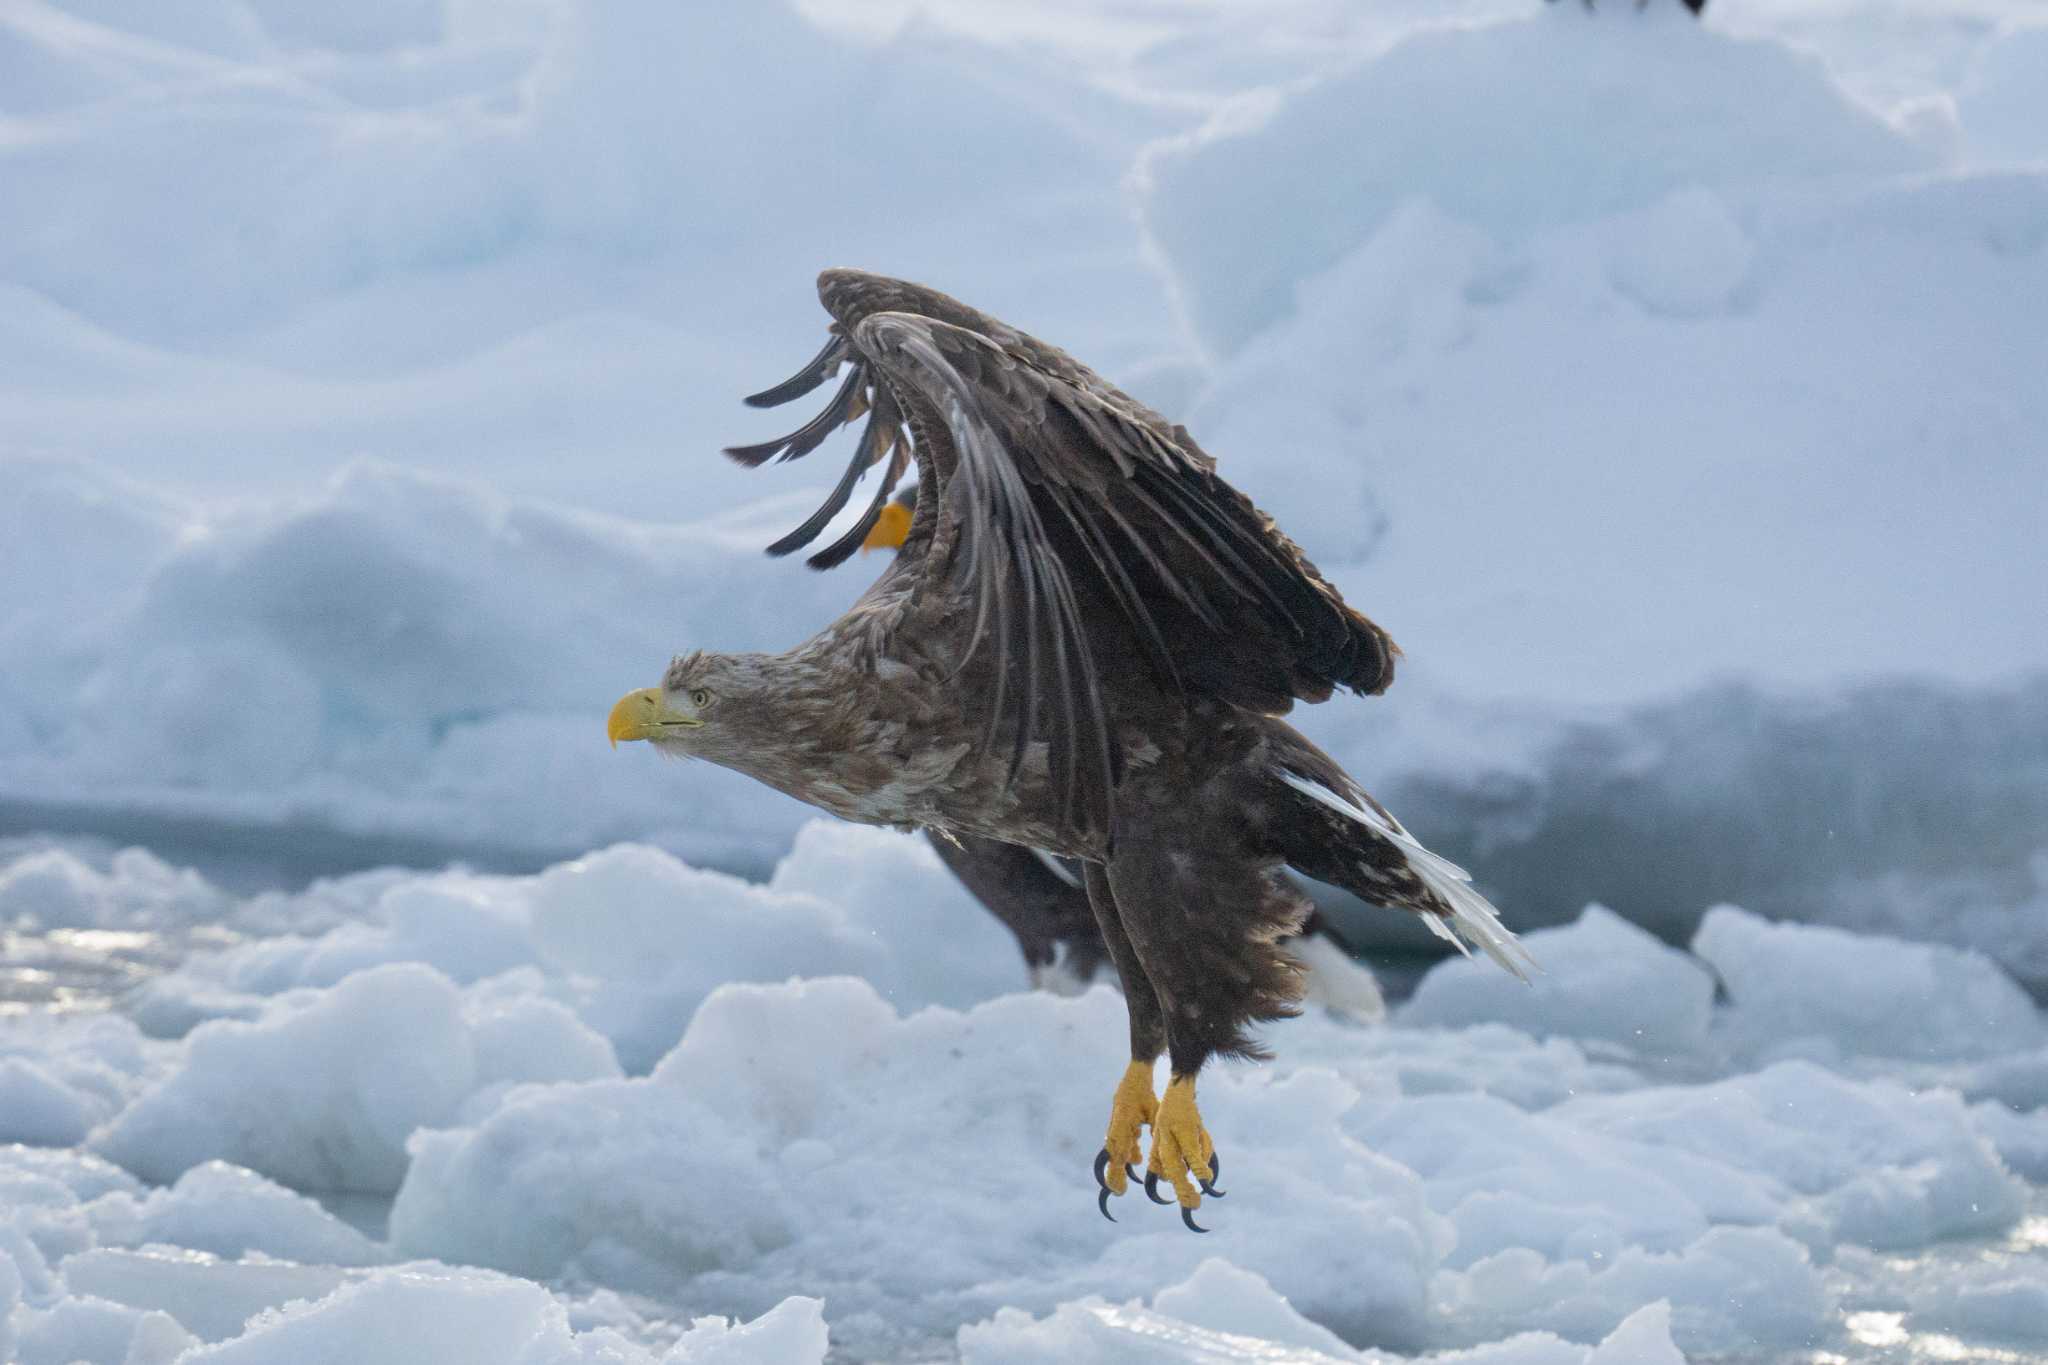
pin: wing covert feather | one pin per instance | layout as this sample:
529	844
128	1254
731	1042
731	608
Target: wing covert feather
1074	525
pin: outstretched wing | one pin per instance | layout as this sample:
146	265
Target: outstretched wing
1082	528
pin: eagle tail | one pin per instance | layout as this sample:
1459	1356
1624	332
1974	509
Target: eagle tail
1371	855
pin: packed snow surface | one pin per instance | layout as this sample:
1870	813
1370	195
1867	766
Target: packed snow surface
587	1106
1670	390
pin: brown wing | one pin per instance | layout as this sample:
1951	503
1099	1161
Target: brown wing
1083	525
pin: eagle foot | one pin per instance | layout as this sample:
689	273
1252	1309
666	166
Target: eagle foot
1130	1112
1180	1147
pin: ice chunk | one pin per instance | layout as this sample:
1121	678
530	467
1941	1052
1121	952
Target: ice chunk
229	1212
1508	1180
321	1091
2020	1138
209	1297
460	1317
521	1036
799	1110
1574	122
464	927
1238	1320
83	1175
1733	1290
1601	978
55	888
1861	993
1223	1298
74	1328
791	1331
1877	1164
2006	1301
652	938
36	1107
1641	1338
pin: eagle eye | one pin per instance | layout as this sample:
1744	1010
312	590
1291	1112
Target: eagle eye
699	698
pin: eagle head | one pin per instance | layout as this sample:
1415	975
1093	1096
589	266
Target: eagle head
703	699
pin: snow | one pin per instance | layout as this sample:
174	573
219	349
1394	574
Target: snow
1600	978
629	937
227	1266
1875	995
1668	388
39	1108
1609	1160
1516	127
322	1088
1221	1315
1611	367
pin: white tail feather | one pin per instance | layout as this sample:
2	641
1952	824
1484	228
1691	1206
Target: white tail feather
1473	922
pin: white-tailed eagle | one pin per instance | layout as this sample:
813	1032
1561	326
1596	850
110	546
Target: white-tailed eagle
1084	646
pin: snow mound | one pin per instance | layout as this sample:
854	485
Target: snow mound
227	1266
1222	1316
59	1077
36	1107
1733	1291
660	936
322	1089
630	939
433	220
461	1316
1792	986
256	1313
55	888
230	1211
428	657
1601	978
913	1147
1871	1162
1513	127
770	1103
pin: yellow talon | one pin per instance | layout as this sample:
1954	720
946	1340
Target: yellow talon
1131	1111
1181	1149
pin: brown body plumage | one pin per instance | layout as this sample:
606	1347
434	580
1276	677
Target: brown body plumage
1084	646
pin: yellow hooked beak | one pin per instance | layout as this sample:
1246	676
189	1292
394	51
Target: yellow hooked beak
643	715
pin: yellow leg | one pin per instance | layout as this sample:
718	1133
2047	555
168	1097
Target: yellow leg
1182	1152
1129	1112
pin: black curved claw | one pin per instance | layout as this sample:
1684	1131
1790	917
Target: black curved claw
1152	1188
1215	1173
1104	1191
1187	1216
1130	1173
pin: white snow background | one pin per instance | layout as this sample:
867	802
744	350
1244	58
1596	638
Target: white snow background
1672	391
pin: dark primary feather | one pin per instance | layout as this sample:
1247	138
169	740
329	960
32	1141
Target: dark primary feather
1087	528
879	438
835	554
816	371
848	403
